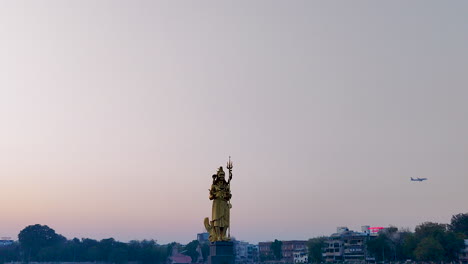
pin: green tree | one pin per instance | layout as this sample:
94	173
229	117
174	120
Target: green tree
428	233
452	243
396	240
41	243
105	247
315	246
9	253
276	249
163	252
89	250
379	247
191	250
148	252
400	242
35	237
410	242
429	249
390	244
430	229
459	224
118	255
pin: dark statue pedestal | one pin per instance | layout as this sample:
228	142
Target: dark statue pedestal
221	252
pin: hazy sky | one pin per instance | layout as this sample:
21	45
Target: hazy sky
115	114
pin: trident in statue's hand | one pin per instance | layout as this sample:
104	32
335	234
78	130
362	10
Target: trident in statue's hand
229	167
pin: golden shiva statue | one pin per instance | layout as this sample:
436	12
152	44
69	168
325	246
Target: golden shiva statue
220	193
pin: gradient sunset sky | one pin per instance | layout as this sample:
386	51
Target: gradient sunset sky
115	114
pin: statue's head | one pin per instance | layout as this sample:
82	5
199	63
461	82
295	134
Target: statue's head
221	173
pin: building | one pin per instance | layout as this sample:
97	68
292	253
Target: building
252	253
301	256
203	237
350	246
288	249
264	250
240	249
179	258
245	252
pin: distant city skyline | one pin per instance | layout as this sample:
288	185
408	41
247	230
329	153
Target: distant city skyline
115	114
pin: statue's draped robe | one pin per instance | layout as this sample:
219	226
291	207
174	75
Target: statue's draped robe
221	195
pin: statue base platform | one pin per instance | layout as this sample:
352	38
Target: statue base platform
221	252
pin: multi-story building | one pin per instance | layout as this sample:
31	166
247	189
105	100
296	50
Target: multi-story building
288	249
245	253
346	245
240	249
252	253
300	256
264	250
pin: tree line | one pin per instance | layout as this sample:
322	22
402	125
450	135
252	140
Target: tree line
429	242
41	243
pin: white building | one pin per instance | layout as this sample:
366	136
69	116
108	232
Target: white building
300	256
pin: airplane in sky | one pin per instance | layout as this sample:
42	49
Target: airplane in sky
418	179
